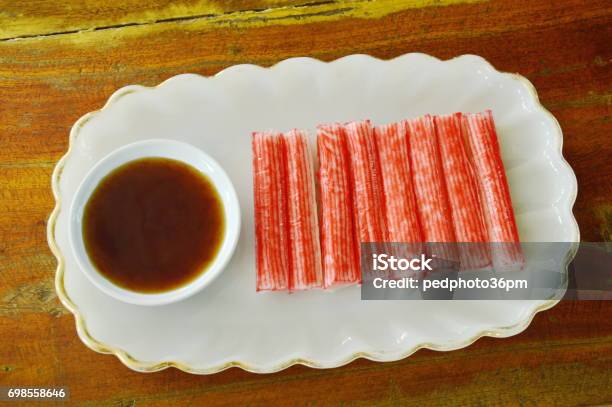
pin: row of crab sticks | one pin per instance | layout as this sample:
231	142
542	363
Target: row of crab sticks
437	181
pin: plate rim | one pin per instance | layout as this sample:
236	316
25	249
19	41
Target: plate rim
144	366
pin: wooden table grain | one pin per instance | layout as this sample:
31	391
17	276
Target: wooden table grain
59	60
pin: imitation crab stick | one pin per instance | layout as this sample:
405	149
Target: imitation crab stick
338	247
368	196
462	190
399	197
305	254
494	191
432	199
271	232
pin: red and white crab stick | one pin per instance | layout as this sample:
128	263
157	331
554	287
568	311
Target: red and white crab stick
271	232
428	176
368	195
462	188
399	196
305	254
494	191
338	247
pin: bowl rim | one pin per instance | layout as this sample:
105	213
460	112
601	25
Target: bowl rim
156	148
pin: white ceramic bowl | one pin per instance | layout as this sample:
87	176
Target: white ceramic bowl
163	148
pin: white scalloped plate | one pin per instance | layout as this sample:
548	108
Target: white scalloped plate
229	324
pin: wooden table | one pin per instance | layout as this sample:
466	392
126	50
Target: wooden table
59	60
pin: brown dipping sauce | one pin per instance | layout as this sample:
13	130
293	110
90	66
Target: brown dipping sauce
153	225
